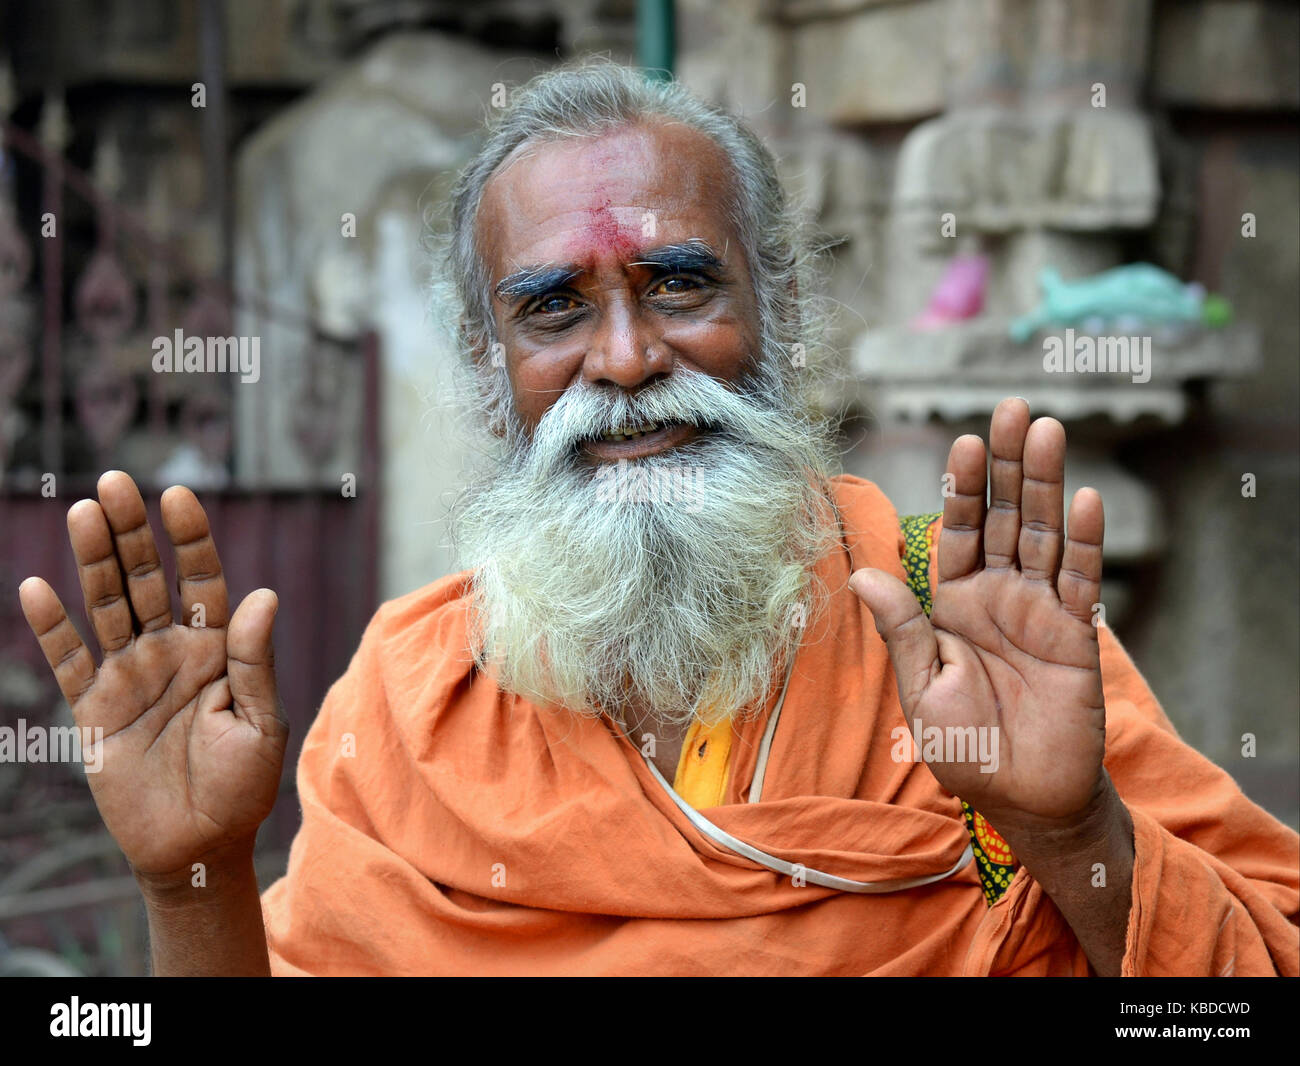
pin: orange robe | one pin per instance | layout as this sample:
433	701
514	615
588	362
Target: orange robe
452	828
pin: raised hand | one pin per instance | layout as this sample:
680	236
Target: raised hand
193	734
1010	644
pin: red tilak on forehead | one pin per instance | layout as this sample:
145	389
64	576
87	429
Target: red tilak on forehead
602	235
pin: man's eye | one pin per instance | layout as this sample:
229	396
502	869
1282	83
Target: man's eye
554	305
674	285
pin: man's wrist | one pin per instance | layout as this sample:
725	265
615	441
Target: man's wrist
211	924
1086	868
1040	841
211	877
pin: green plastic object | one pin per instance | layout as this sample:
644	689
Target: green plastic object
1136	294
656	37
1216	312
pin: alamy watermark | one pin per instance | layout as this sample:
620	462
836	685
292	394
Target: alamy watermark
1087	354
45	744
627	482
954	743
180	354
75	1018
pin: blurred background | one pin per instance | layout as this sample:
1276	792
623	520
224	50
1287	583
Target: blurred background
269	169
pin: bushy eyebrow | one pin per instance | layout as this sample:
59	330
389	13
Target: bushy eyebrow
692	255
535	281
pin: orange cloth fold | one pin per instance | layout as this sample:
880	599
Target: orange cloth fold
466	831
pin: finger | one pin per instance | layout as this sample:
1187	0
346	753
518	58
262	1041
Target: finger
100	576
961	537
199	577
1007	443
1041	500
1079	583
905	629
250	661
69	658
146	585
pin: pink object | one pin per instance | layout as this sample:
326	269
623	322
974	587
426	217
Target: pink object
959	294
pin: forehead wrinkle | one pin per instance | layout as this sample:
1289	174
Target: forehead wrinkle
504	187
609	169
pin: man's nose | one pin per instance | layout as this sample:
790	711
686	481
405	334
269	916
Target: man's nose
625	351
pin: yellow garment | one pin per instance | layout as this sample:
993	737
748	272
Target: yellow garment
701	778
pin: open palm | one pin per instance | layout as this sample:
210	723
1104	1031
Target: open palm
1011	643
193	735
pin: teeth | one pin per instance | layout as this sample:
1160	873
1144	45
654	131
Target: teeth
629	433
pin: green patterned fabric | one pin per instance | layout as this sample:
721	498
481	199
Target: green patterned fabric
993	859
918	533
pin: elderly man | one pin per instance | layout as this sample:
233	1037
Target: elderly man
681	713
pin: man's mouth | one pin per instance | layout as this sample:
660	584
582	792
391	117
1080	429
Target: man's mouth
635	442
630	433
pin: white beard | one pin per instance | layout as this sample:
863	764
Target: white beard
603	600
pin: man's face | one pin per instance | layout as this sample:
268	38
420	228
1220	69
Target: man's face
613	263
623	302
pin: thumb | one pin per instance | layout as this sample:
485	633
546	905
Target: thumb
250	659
906	630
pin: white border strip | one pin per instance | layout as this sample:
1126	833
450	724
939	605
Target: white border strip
816	877
765	746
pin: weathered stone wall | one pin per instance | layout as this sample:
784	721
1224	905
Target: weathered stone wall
986	110
884	113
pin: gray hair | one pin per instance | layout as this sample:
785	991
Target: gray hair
596	96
